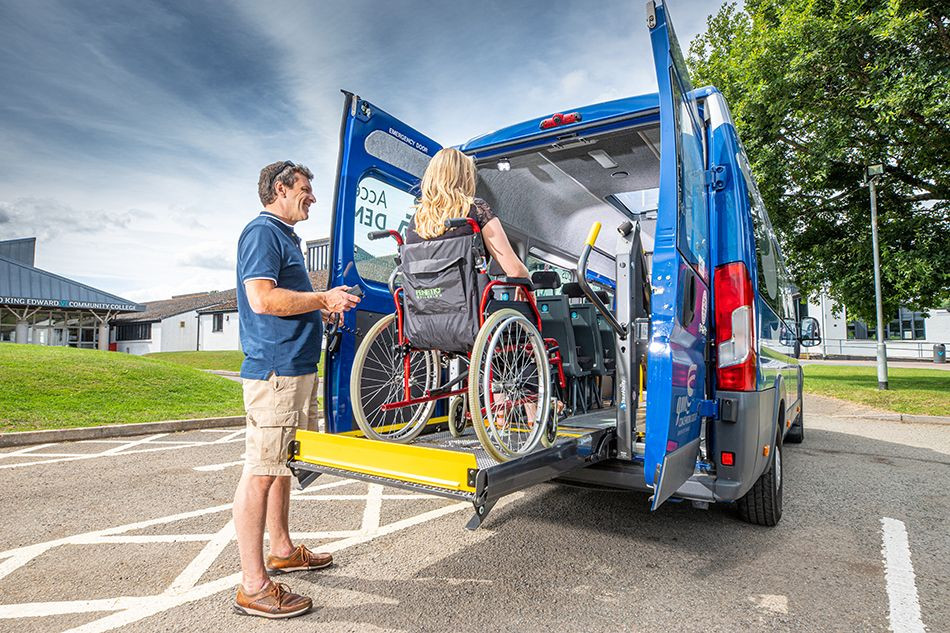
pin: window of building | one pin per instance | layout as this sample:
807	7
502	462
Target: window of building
217	322
380	206
909	326
133	332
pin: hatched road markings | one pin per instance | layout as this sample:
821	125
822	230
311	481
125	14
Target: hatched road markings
186	588
149	444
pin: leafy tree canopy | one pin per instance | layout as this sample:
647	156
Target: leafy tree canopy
818	90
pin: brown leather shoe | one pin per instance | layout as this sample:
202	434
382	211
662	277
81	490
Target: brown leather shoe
274	601
301	559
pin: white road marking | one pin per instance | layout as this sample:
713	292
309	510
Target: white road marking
901	582
184	588
122	448
230	436
28	449
213	467
200	563
374	506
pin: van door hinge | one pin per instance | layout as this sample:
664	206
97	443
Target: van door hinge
364	111
716	177
651	14
709	408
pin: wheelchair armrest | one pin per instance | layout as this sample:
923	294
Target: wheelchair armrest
515	281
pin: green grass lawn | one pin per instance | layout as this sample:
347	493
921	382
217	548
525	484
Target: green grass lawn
58	387
914	391
226	360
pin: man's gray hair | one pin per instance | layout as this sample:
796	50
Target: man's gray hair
283	171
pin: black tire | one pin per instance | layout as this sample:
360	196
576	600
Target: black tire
458	407
762	505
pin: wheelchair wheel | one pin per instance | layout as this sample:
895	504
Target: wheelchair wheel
377	379
509	385
457	409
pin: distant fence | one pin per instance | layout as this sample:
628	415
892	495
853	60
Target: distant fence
850	348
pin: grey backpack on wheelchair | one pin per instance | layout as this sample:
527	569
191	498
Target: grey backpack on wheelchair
442	289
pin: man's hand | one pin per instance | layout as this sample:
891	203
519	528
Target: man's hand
338	300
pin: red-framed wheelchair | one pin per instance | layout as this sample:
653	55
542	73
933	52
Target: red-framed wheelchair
504	380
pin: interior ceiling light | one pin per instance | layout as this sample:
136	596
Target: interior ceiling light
619	174
504	165
603	158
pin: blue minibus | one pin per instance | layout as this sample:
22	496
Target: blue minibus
679	342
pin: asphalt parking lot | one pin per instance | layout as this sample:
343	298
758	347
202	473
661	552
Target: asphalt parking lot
134	534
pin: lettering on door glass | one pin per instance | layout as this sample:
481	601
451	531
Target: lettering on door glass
380	206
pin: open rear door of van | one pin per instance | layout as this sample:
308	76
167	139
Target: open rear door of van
676	364
381	163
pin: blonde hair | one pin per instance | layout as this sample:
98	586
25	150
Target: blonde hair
448	191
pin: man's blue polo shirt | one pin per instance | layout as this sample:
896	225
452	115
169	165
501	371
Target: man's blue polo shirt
287	346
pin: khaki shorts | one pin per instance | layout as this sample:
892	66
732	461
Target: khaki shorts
276	408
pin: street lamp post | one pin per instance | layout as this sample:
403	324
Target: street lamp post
873	172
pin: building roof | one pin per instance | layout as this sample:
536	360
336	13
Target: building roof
22	284
22	250
318	278
158	310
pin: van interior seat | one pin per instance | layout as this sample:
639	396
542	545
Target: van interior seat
586	331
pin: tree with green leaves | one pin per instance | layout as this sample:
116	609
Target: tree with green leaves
821	89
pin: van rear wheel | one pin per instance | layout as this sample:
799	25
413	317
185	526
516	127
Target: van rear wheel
762	505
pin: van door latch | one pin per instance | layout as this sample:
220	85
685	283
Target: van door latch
716	177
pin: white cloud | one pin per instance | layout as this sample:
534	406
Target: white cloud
132	135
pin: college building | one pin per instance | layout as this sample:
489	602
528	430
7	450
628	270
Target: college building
42	308
909	335
203	321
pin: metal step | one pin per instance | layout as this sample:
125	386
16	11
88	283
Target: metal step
455	468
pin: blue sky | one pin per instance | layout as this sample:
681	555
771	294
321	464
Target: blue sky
132	133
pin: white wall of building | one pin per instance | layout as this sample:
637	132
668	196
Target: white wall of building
180	332
835	342
937	327
227	339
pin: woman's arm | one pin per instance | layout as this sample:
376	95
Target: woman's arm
493	233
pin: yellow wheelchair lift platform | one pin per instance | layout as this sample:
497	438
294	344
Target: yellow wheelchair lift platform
456	468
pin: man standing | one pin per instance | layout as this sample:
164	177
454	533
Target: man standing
281	329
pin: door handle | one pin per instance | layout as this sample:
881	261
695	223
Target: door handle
689	299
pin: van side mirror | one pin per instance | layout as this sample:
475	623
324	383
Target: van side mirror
809	334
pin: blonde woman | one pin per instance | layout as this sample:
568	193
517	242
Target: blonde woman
448	191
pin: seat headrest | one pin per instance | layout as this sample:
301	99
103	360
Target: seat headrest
546	280
573	290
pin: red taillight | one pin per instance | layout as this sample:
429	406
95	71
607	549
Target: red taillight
727	458
735	327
